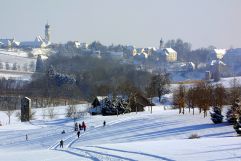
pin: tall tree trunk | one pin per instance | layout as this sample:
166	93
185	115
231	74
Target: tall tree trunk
205	113
36	102
151	104
9	119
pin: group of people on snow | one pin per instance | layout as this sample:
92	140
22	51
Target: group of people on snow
77	127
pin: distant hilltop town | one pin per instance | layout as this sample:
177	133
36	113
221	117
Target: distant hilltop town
39	41
174	56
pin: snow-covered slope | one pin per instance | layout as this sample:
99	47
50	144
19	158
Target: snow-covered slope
161	135
16	63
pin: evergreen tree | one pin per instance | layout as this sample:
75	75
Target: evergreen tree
237	121
39	64
216	115
237	125
96	102
230	115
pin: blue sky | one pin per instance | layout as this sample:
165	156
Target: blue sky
138	22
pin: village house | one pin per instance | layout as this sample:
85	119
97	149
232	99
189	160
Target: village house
130	51
165	55
217	66
216	54
9	43
39	42
233	57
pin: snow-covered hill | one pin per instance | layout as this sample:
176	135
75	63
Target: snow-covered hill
19	64
162	135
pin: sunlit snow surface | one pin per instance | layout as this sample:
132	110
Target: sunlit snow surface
161	135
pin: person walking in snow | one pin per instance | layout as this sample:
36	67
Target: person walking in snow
26	137
78	134
80	127
76	126
61	144
104	124
83	125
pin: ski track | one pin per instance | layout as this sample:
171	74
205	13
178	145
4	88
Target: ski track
124	131
125	128
36	136
96	156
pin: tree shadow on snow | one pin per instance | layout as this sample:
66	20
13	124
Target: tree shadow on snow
216	150
229	158
218	134
170	132
106	133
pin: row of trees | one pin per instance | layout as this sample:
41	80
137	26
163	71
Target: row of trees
204	95
19	67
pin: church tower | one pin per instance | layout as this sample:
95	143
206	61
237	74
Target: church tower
161	44
47	33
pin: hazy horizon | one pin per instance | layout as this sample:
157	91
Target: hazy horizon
141	23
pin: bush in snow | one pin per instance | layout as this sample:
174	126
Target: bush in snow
51	112
18	115
31	117
194	136
71	111
216	115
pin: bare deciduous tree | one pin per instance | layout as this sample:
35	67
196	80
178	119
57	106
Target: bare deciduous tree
179	98
204	94
51	112
219	95
235	91
9	109
191	99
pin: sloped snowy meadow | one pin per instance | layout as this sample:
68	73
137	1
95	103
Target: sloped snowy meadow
162	135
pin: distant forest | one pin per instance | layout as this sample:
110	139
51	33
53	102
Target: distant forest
85	77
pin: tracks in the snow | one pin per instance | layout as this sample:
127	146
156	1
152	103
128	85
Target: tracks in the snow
72	138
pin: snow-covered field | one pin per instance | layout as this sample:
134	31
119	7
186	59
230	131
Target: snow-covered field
24	66
20	58
162	135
